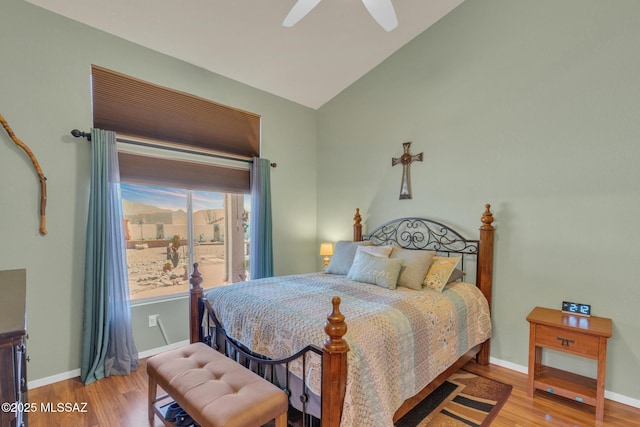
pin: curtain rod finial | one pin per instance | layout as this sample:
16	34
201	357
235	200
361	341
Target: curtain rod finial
79	134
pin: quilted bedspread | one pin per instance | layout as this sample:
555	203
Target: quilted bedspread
399	340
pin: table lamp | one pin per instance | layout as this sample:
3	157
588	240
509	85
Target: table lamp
326	250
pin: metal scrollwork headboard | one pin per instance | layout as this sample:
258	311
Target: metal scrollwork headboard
420	233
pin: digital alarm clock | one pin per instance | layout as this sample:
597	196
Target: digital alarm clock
576	308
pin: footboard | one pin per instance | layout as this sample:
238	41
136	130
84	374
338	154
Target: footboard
333	356
276	371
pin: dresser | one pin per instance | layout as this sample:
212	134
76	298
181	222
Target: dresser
13	372
572	334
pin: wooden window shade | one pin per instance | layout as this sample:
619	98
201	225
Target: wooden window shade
139	109
164	172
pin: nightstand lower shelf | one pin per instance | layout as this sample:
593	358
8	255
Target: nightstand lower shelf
566	384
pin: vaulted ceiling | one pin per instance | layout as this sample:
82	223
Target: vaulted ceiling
333	46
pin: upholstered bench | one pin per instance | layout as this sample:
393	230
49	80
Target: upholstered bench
214	390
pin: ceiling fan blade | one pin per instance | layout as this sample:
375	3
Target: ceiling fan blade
299	11
383	12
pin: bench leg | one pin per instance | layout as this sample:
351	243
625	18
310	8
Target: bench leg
153	390
281	420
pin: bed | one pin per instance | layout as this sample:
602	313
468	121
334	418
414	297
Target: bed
401	342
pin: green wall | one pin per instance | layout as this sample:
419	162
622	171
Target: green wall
532	106
44	93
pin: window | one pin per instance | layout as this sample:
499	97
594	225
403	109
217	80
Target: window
172	187
167	229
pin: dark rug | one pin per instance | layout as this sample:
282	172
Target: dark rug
465	399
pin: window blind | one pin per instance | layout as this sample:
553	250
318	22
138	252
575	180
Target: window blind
133	107
137	109
176	173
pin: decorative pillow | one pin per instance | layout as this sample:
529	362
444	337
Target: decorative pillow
343	255
439	272
382	251
416	264
456	275
376	270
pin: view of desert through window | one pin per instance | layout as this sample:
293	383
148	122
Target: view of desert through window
155	222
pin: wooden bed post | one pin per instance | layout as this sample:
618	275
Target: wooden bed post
334	367
485	270
357	226
195	309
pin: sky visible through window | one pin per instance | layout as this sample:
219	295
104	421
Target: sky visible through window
174	198
171	198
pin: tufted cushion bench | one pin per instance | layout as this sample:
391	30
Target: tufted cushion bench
214	390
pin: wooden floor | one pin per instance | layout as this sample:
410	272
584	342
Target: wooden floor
122	401
549	410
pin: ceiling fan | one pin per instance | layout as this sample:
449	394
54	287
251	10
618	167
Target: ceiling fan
381	10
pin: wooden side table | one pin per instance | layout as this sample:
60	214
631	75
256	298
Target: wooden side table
568	333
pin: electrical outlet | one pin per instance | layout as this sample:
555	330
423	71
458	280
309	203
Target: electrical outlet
153	320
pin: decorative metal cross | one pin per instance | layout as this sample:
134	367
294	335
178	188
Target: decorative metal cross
406	159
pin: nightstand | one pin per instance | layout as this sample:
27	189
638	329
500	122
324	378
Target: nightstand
573	334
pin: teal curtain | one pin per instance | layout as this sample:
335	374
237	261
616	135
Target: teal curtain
107	340
261	242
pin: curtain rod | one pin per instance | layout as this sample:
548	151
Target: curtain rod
79	134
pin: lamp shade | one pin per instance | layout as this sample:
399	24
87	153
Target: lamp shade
326	249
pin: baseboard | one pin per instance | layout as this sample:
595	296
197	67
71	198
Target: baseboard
620	398
53	379
616	397
76	372
509	365
157	350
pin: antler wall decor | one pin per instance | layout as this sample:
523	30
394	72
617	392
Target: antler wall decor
43	179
